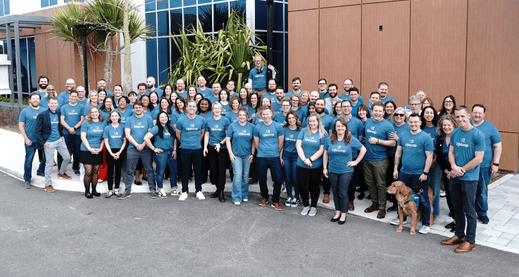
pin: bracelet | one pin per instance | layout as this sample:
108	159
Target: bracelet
425	173
378	142
496	164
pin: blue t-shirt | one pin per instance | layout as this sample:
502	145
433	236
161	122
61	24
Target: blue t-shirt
241	138
492	137
280	118
340	154
300	113
378	130
225	108
64	98
347	97
268	139
124	116
72	115
272	96
205	92
54	125
139	128
94	133
356	128
105	114
276	107
431	131
82	102
413	151
311	144
115	136
388	98
45	102
399	131
217	129
212	98
324	95
28	117
327	120
232	116
290	140
257	119
86	108
259	79
157	90
465	144
168	140
191	130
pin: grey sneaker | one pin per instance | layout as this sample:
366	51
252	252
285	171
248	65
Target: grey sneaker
117	193
424	230
313	212
305	210
295	203
124	195
27	185
396	221
288	202
153	194
109	194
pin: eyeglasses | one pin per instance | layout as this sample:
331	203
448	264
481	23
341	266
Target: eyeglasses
322	84
399	114
448	101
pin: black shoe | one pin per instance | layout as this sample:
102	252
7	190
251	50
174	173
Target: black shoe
453	229
41	174
221	197
335	219
392	208
138	183
88	195
342	222
361	196
145	178
369	197
96	194
216	194
450	225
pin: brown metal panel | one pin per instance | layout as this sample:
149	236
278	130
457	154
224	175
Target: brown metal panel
375	1
509	160
303	46
340	45
337	3
385	54
297	5
438	48
492	61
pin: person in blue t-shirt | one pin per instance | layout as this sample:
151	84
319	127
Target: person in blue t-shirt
234	105
338	164
115	143
239	145
150	86
136	127
415	150
278	102
310	147
26	125
92	131
223	99
124	111
297	107
70	84
285	108
271	91
215	149
291	129
378	139
164	150
355	99
51	92
190	131
259	75
490	164
269	139
71	120
93	100
323	85
382	90
466	152
202	88
43	82
215	96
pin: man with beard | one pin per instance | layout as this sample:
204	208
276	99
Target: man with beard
216	92
202	88
322	84
181	86
348	85
43	82
150	85
259	75
382	90
333	89
70	84
355	100
280	94
26	124
296	87
101	85
51	92
271	91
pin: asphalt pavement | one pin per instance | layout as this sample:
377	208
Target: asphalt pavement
65	234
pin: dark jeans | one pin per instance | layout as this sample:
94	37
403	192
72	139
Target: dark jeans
340	184
290	174
277	176
413	181
446	184
464	201
133	155
188	157
29	157
73	142
110	163
165	160
217	164
308	180
482	192
357	179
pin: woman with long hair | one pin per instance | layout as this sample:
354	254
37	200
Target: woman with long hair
363	113
223	99
292	127
154	100
164	106
173	98
234	106
254	105
115	143
93	100
92	149
166	93
337	109
338	165
296	106
102	95
429	118
191	93
389	109
146	105
448	105
107	106
243	96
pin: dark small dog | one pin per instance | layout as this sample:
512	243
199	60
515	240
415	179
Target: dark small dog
406	205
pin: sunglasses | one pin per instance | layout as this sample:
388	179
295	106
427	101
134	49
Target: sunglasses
399	114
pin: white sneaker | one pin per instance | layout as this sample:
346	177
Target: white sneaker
162	194
200	195
305	210
424	230
175	192
312	212
245	200
396	221
183	196
237	203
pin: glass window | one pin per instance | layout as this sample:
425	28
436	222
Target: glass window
189	2
7	7
162	4
152	25
175	53
175	20
44	3
162	19
150	5
239	6
175	3
204	1
205	15
261	15
189	17
277	14
163	57
151	57
1	7
32	64
221	14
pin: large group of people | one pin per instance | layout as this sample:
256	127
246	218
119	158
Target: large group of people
306	139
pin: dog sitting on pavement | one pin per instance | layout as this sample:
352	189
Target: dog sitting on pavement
408	204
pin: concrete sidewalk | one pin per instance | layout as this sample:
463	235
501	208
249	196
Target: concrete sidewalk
501	233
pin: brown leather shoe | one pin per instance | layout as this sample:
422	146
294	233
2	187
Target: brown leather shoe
263	202
381	213
326	198
276	206
371	208
465	247
64	176
252	182
49	189
351	207
453	240
309	195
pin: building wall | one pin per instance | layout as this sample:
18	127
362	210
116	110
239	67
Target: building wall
464	48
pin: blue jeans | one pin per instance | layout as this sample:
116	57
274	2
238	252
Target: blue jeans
340	184
413	181
29	157
240	184
290	170
277	175
132	157
73	142
435	177
463	195
189	156
163	160
482	192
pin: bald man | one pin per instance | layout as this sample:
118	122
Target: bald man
150	85
70	84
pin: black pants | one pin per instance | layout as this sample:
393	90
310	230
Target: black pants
326	184
447	194
217	165
308	180
110	163
356	180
